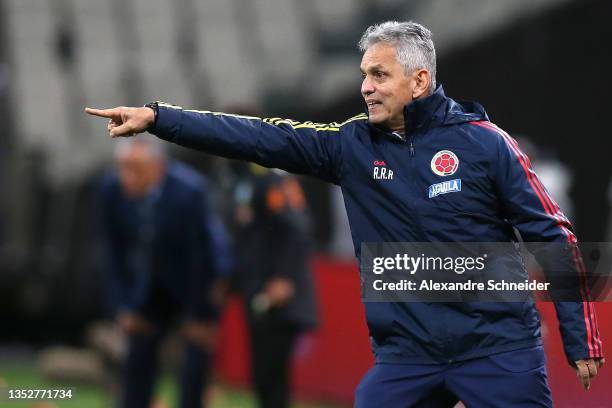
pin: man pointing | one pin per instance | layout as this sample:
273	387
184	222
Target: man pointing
479	352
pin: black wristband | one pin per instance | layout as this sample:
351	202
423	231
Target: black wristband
155	107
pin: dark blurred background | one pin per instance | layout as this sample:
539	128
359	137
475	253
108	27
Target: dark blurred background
540	67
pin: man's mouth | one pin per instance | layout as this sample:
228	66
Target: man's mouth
373	104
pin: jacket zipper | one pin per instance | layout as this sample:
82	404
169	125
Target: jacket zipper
411	146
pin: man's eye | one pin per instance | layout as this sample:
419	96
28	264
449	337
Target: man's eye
379	74
363	75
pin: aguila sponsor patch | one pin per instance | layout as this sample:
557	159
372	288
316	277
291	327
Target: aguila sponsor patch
445	187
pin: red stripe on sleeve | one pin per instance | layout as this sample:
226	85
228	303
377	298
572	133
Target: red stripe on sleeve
552	209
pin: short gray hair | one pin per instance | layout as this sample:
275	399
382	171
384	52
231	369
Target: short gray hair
153	145
414	46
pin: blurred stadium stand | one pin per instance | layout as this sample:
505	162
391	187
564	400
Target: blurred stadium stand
541	67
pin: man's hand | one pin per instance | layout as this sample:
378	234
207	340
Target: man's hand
132	323
587	369
203	334
124	121
279	291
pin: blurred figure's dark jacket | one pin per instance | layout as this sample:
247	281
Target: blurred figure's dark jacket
162	242
276	243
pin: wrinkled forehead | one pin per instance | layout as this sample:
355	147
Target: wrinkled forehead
379	55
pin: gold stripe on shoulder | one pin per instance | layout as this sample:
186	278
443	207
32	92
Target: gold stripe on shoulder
317	127
361	116
271	120
333	127
299	125
276	121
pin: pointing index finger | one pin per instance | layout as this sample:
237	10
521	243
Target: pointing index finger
103	113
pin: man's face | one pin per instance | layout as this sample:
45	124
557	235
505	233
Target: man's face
139	170
386	88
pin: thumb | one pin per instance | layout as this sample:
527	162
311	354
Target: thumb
125	129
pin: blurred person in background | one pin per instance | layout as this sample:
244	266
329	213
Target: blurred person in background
158	251
272	244
389	163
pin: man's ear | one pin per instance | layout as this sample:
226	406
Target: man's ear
422	80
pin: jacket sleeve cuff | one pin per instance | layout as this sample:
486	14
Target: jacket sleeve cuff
574	356
167	122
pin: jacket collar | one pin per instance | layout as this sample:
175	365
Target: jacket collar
418	115
433	111
424	113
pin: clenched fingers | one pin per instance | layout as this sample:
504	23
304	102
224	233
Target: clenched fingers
111	124
582	371
125	129
592	366
587	369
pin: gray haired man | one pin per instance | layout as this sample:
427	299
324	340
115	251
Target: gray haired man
392	165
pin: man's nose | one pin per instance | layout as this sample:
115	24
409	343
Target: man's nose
366	87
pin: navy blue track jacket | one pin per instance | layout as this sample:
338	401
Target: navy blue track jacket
385	181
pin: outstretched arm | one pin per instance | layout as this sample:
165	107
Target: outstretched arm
298	147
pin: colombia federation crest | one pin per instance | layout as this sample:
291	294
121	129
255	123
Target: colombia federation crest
444	163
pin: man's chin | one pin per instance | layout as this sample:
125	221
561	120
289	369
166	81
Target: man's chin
378	120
